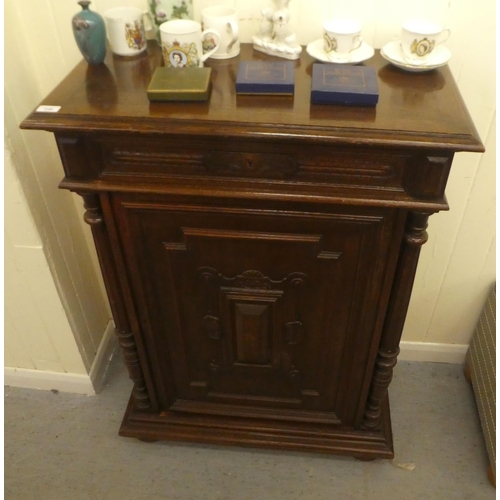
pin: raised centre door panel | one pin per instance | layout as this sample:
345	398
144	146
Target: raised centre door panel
260	311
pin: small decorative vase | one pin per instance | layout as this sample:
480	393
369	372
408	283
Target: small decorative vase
166	10
90	34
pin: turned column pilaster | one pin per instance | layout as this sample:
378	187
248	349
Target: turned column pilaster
93	216
414	237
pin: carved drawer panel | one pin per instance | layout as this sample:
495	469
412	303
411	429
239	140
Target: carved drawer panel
171	159
267	316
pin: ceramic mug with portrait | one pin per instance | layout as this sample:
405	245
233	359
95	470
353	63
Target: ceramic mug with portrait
419	38
126	32
184	45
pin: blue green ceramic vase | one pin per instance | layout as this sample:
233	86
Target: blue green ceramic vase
90	34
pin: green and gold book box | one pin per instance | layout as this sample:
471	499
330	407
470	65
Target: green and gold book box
179	84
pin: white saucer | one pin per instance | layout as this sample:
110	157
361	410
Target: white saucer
393	53
316	49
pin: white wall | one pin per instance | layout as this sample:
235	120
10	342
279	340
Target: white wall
38	333
57	328
457	264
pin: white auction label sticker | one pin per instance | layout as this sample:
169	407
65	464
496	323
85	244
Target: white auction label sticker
48	109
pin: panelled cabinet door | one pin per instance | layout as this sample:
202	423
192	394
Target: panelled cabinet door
258	311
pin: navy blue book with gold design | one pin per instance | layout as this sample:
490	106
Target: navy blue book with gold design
265	77
347	85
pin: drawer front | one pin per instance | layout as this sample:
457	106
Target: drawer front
258	161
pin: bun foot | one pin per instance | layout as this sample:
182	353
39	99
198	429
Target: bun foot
365	459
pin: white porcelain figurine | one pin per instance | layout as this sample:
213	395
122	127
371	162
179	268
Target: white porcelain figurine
275	36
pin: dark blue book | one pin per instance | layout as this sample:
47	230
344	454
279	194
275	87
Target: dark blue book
265	77
347	85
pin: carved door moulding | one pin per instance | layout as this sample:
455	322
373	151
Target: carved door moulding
242	313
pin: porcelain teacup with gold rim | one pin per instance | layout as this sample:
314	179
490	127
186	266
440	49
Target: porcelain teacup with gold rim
419	38
341	38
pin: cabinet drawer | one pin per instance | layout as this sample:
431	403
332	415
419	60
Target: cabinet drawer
175	158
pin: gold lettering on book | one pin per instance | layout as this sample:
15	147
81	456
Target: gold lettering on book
343	77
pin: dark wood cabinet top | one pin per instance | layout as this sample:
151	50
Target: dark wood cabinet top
416	110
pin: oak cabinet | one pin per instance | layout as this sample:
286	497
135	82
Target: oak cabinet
258	253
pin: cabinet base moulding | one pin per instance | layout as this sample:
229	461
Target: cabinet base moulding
259	433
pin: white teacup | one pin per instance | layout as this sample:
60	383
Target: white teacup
126	33
419	38
225	21
342	37
185	45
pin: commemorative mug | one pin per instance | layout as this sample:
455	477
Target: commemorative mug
185	45
342	37
126	33
419	38
225	21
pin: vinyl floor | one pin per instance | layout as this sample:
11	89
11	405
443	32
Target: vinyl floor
64	446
